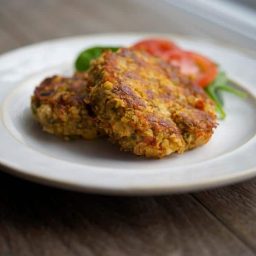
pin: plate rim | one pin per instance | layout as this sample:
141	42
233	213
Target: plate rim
145	191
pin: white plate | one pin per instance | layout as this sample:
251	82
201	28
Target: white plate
98	166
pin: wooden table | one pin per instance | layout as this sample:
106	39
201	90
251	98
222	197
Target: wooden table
37	220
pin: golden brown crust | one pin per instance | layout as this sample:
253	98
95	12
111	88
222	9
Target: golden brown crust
59	105
146	106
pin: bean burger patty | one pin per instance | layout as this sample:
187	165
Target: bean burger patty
146	106
59	105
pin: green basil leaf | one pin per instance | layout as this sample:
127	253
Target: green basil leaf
220	97
232	90
210	90
220	84
83	60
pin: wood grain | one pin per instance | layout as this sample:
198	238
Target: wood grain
236	207
37	220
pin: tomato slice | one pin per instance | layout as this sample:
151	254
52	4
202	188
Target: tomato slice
157	47
208	69
199	68
181	60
